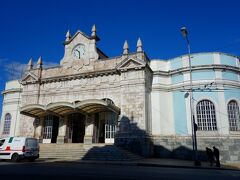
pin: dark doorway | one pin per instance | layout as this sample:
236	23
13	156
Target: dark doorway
101	132
77	126
55	129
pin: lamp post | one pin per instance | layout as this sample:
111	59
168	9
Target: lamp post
194	125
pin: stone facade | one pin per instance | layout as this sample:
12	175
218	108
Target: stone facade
125	80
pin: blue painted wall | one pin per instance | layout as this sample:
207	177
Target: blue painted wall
202	59
197	96
177	78
179	110
232	93
228	75
227	60
203	75
176	63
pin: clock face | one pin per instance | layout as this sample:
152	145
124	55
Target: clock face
78	51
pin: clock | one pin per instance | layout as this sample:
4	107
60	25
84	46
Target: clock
78	51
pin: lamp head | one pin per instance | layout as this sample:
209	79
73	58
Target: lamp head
184	31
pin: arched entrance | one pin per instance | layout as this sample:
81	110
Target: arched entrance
88	121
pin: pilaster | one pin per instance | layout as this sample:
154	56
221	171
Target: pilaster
39	129
88	138
62	130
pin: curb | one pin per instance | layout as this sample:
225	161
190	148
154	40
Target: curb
129	163
184	166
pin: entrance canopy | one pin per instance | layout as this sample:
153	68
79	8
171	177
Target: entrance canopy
64	108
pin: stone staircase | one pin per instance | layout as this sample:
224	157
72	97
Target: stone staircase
94	152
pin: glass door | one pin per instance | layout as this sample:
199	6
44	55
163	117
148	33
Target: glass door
48	127
110	127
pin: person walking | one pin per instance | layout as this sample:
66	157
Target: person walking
216	154
210	156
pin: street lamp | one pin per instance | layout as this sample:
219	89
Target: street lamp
194	125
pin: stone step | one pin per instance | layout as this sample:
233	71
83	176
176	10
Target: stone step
86	152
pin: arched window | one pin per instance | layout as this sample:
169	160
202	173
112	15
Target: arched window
206	116
233	116
7	124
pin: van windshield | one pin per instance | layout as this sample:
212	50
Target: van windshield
2	141
32	143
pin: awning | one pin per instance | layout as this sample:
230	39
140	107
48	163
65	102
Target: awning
64	108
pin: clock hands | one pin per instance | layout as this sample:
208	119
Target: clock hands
79	51
79	54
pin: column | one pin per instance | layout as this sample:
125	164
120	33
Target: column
62	130
88	138
39	129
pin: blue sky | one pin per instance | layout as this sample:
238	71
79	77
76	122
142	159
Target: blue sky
33	28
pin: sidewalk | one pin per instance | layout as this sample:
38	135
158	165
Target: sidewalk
152	162
185	164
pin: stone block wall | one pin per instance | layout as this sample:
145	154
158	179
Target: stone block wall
27	126
181	147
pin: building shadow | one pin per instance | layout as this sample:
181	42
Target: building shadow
132	143
180	152
130	137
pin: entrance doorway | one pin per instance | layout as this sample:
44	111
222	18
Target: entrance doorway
50	131
105	127
76	128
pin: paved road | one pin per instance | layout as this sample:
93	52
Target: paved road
53	170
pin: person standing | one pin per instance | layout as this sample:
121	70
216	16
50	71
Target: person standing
216	154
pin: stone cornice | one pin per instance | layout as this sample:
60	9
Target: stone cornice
86	75
196	84
80	75
12	91
200	67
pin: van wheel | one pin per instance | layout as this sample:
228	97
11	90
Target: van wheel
15	157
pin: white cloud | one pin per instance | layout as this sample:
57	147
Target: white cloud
15	70
50	64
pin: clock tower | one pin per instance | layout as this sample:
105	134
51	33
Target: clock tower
80	48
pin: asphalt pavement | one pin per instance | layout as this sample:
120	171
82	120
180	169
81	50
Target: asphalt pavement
75	170
153	162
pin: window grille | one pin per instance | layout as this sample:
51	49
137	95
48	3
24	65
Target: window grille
233	116
206	116
7	124
47	132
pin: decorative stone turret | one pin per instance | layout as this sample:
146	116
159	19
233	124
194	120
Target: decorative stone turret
68	36
94	33
125	48
30	65
39	63
94	30
139	45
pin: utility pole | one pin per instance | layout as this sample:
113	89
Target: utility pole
194	125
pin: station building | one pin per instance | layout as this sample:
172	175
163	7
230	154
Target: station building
130	100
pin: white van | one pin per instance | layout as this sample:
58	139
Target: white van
16	148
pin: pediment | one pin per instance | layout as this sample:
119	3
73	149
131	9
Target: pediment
30	77
131	64
79	34
80	48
